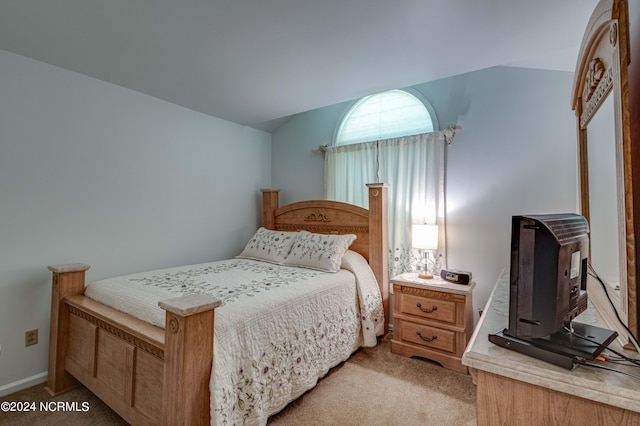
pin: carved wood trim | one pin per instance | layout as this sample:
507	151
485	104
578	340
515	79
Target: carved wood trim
323	228
129	338
613	34
317	216
453	297
595	73
604	83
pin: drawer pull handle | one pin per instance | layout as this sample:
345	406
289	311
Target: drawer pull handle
426	339
426	310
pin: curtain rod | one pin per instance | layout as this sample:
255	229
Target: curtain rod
449	132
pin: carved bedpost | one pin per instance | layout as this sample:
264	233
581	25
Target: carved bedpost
68	280
188	357
378	242
269	205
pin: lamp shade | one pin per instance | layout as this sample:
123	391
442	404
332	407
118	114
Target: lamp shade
424	237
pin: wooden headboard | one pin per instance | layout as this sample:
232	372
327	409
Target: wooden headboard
334	217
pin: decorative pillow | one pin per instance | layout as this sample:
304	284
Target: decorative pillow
269	246
319	251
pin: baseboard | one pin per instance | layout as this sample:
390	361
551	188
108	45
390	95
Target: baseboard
27	382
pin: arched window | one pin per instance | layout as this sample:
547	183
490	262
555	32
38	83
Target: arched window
392	137
385	115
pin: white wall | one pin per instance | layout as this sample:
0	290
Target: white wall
516	154
95	173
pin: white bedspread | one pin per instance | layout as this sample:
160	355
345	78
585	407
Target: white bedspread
278	331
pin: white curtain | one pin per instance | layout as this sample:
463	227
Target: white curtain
414	166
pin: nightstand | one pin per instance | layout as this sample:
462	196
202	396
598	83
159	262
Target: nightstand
432	319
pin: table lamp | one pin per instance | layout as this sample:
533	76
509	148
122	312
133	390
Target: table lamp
424	238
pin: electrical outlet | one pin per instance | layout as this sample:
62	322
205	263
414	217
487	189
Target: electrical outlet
31	337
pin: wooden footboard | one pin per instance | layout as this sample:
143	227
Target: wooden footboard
146	374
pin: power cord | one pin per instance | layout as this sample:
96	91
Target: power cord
595	275
602	367
621	357
618	361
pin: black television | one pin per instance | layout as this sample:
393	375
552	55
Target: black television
548	289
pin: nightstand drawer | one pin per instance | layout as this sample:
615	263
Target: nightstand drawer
431	337
426	307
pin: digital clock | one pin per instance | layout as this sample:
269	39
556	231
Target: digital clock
455	276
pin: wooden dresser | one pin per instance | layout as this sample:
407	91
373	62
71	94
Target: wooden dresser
516	389
432	319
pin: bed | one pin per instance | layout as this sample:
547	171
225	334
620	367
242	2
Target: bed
155	364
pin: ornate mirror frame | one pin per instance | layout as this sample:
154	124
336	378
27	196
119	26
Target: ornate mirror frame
602	71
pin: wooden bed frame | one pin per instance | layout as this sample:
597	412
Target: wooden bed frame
150	375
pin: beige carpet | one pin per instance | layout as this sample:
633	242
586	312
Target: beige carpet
374	387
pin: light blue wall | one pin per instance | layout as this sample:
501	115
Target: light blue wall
516	154
95	173
297	170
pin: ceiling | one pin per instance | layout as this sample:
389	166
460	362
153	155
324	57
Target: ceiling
256	62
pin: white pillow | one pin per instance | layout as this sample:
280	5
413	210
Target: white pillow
269	246
319	251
